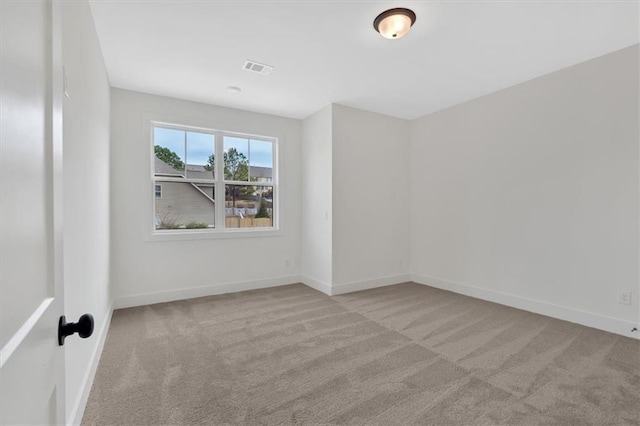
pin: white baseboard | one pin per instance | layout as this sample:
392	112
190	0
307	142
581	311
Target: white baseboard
315	284
75	416
192	292
589	319
368	284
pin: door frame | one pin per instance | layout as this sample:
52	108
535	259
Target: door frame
55	193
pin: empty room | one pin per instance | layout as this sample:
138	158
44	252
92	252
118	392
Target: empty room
314	212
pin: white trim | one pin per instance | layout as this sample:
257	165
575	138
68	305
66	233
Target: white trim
205	234
316	285
249	182
589	319
12	344
369	284
171	124
182	179
210	290
75	417
55	195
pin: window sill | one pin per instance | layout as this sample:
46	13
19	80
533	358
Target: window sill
191	235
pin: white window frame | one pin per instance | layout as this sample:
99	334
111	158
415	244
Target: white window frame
157	191
219	184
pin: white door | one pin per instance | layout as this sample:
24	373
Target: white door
31	362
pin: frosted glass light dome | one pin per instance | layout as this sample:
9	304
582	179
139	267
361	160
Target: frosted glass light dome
394	23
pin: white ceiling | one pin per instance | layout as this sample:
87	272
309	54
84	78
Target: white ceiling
327	51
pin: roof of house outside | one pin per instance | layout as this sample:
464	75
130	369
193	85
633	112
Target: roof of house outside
162	168
195	171
261	172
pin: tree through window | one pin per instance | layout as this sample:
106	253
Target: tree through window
187	163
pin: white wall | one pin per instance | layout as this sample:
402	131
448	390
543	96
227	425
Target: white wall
370	198
86	197
530	195
317	199
147	270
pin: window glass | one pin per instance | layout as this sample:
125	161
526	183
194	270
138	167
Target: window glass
260	161
185	185
184	205
236	158
248	206
200	155
169	149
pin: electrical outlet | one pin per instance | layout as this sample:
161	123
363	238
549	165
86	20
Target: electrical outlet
625	297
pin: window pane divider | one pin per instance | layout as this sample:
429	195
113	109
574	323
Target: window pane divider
246	183
218	167
184	180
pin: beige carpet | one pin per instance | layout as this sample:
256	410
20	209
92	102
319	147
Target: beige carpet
399	355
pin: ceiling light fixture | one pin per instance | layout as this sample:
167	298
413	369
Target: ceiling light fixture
394	23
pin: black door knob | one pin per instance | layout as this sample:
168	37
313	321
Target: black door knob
84	327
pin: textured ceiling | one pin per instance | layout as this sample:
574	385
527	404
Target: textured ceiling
328	52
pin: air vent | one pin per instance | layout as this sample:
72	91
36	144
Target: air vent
257	67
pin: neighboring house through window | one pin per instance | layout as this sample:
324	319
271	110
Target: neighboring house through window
212	180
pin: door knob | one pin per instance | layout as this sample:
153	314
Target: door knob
84	327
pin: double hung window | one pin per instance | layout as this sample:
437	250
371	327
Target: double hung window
212	180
